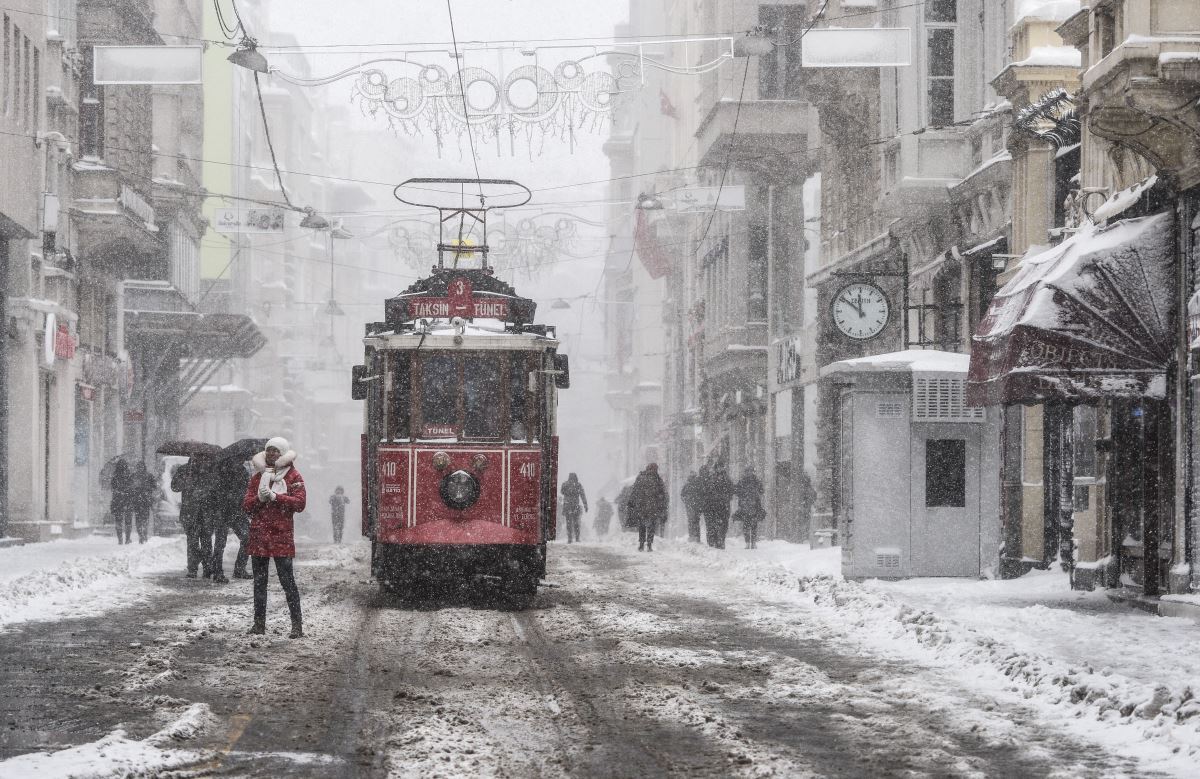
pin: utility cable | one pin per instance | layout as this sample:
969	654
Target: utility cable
270	146
462	88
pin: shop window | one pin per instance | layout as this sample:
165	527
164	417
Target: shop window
1084	440
1014	429
945	473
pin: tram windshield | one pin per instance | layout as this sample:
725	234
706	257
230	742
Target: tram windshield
467	395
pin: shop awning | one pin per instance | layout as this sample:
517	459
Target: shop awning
1088	319
158	310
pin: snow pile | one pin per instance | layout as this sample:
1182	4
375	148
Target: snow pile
1162	706
73	578
118	755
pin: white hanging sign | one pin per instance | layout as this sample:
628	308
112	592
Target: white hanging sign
248	220
857	48
147	64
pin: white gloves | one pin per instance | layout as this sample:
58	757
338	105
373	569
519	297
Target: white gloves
265	495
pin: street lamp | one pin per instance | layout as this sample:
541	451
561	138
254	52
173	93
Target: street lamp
313	220
247	56
649	202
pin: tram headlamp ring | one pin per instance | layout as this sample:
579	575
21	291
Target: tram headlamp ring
460	490
441	461
479	462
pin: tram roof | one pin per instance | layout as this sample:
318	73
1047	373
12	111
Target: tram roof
486	334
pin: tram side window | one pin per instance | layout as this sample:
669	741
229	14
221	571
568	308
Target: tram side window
439	391
483	396
401	399
518	395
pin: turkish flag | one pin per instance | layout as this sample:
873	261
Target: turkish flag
653	254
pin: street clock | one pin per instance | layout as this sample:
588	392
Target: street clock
860	310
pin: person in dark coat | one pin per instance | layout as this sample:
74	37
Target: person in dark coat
623	508
648	505
192	483
142	499
716	506
273	496
692	495
123	489
227	489
604	512
574	501
337	513
750	511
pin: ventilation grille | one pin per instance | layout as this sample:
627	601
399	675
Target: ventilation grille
887	559
889	409
943	400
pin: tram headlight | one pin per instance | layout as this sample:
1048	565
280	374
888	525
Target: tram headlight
479	462
460	490
441	461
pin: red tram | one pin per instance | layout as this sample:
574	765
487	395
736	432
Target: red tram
459	450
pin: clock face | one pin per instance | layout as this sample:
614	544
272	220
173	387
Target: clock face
860	310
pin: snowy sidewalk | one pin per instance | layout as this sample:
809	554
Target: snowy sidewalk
80	577
1080	659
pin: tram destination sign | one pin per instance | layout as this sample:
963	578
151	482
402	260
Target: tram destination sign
445	308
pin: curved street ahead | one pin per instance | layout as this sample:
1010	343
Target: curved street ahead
632	665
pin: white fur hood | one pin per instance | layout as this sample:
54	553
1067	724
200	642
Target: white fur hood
285	459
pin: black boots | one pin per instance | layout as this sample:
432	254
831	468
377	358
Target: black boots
297	630
257	629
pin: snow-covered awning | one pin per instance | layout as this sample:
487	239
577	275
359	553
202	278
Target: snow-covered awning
1088	319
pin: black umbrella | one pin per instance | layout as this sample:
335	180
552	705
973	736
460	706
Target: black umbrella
242	450
187	448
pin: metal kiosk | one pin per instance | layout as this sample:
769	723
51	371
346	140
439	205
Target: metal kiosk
917	471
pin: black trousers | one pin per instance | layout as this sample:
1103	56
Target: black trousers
123	519
199	541
716	527
141	519
572	518
241	529
339	524
693	519
646	533
287	580
750	531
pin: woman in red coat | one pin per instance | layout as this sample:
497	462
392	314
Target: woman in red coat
274	495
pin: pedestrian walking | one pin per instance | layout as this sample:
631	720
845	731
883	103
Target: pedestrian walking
623	508
574	503
750	511
273	496
648	504
123	496
692	494
337	513
191	481
228	487
716	509
603	518
143	496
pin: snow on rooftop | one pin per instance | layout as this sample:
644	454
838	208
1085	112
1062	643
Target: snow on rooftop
914	360
1047	10
1053	57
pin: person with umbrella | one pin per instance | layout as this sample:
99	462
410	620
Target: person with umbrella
192	482
273	496
228	487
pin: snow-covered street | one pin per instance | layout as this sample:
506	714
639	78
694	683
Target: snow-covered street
686	661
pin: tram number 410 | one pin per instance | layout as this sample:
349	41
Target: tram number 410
528	470
389	470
